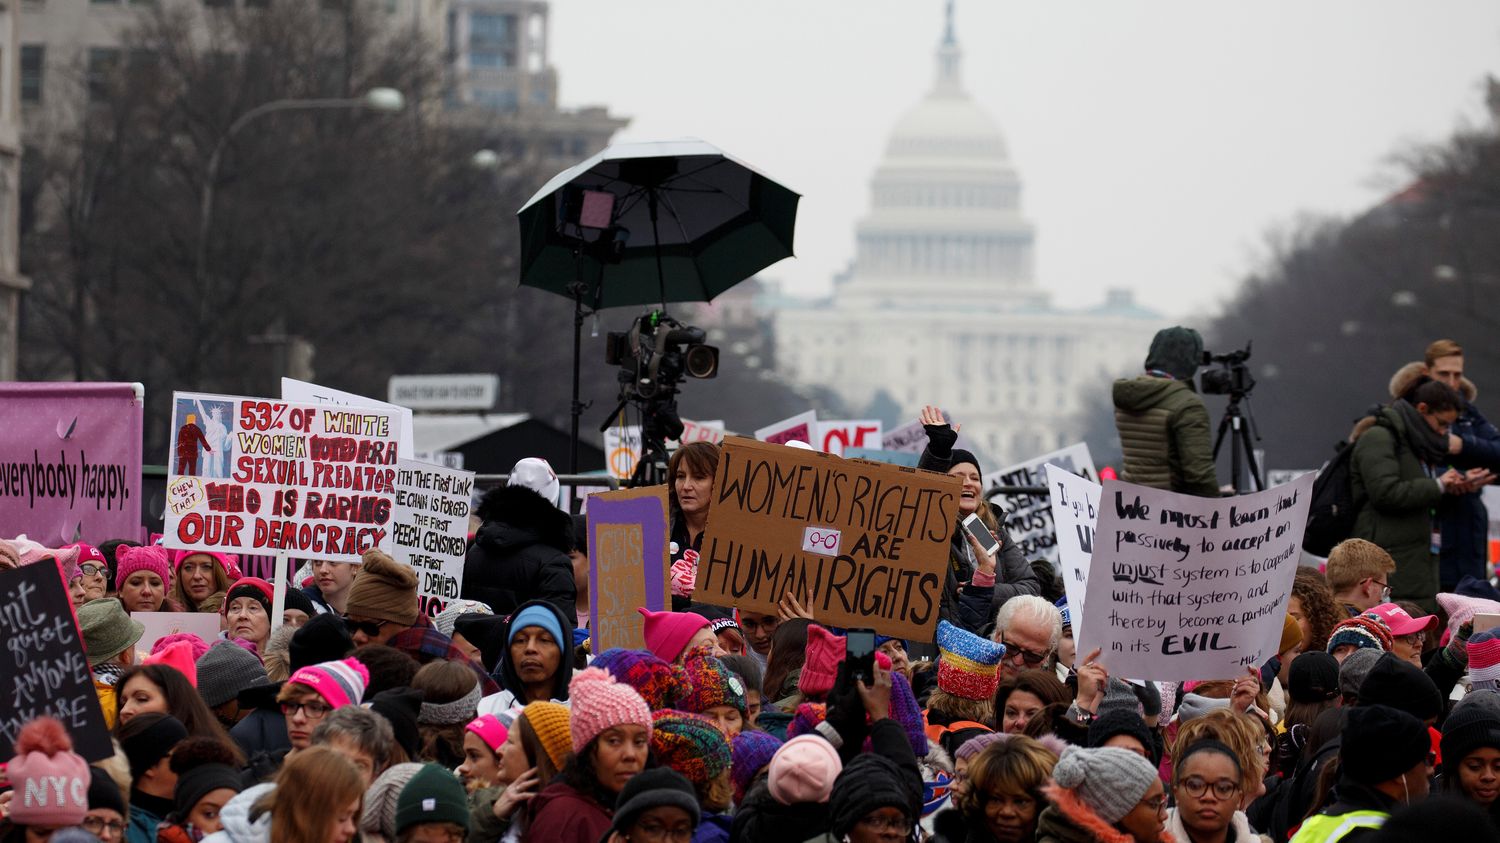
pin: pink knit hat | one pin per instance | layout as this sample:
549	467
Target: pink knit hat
341	683
198	645
599	703
668	633
67	557
824	652
51	781
148	558
490	730
803	770
227	561
179	656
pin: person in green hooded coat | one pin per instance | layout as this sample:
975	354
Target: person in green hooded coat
1163	423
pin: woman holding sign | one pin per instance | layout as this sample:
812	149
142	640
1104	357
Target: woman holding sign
979	580
691	471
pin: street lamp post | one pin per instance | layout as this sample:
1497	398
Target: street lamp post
376	99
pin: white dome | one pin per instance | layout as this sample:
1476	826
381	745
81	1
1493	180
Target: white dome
946	125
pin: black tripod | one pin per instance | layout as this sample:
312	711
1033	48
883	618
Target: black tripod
651	468
1240	427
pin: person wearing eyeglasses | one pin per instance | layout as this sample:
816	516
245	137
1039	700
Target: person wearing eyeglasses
1208	787
107	808
1004	797
95	570
1408	634
1358	574
1385	759
313	691
1030	628
1104	795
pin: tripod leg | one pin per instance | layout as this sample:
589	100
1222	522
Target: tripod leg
1244	434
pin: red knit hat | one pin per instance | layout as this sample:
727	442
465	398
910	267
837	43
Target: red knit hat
51	781
668	633
824	652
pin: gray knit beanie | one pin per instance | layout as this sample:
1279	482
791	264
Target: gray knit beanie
1120	695
225	669
1109	780
1356	667
379	813
1197	705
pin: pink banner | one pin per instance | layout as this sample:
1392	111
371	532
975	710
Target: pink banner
70	461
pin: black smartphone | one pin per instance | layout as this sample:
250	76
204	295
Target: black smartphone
859	651
976	528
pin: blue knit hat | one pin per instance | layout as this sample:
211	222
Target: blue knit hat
752	751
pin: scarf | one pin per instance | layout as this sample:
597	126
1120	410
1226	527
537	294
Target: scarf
108	673
1430	446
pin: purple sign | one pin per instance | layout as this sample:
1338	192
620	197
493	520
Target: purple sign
628	563
70	461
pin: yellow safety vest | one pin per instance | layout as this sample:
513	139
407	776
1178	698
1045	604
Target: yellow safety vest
1324	828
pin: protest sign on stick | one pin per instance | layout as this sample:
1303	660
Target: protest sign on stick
431	528
628	562
869	540
1075	511
1183	587
1028	517
70	461
835	436
45	668
315	481
800	428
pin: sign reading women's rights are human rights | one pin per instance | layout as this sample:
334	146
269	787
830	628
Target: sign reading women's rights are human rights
868	540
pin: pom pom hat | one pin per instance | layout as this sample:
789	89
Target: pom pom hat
341	683
51	781
600	703
1109	780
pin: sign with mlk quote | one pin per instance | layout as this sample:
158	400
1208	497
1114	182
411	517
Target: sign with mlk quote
259	475
628	562
1182	587
869	540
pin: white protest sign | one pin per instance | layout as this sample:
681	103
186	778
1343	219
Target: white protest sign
909	438
431	526
303	392
834	436
799	428
1075	510
1183	587
704	431
1028	518
622	450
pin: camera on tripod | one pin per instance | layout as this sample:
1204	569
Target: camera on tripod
1232	377
655	356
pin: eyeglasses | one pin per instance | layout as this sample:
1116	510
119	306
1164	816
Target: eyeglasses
1385	589
1012	650
1196	786
97	826
1156	803
314	709
369	628
651	830
1413	639
879	822
93	569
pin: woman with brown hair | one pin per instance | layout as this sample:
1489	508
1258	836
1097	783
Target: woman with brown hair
157	688
1020	699
316	798
1313	608
1004	794
450	699
690	487
784	664
199	575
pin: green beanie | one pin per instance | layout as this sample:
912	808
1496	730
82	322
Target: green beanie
433	795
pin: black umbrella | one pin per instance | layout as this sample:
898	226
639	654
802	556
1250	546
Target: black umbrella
643	223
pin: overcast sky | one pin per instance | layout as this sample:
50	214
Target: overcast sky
1157	141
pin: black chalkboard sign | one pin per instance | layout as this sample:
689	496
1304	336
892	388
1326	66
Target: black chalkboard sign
43	669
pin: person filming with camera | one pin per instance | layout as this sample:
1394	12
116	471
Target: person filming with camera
1163	422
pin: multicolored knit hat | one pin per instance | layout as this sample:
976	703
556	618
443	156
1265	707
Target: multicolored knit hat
968	666
805	719
552	723
1484	660
341	683
1363	631
824	652
691	745
659	683
709	684
751	751
600	703
148	558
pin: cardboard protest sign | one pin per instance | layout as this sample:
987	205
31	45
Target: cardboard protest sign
46	671
1075	511
799	428
628	561
316	481
430	529
70	461
159	625
834	436
1028	518
1183	587
869	540
302	392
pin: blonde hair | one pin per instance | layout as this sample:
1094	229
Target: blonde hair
1014	765
1234	730
311	790
1353	561
1442	348
961	708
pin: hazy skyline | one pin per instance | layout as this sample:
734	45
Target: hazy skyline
1157	143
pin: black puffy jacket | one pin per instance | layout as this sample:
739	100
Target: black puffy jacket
521	553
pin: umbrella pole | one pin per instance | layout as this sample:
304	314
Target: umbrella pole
577	288
661	277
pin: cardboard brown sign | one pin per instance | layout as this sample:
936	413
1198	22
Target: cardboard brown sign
628	562
869	539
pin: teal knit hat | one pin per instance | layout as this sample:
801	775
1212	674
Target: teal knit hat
433	795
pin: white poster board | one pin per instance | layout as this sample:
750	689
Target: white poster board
834	436
1182	587
431	525
801	428
1075	510
1028	518
303	392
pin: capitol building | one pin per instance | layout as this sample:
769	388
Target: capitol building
941	304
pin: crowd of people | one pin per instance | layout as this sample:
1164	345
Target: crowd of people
354	715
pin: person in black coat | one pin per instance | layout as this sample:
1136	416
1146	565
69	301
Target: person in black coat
521	553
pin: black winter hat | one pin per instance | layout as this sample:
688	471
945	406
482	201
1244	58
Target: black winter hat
1118	721
104	793
958	456
1380	743
322	639
1314	678
295	599
487	632
401	706
153	743
1398	683
654	788
1178	351
202	780
1439	818
868	783
1474	723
